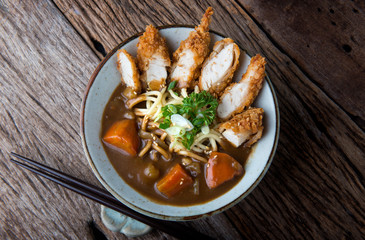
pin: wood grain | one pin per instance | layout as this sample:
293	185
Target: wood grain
41	86
321	148
326	40
315	186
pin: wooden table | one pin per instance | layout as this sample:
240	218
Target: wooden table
315	51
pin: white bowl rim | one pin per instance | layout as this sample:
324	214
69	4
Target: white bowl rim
143	211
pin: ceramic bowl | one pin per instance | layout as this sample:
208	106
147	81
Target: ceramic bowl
102	84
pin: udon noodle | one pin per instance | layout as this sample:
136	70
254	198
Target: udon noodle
149	111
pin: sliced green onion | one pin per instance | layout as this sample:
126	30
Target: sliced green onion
172	108
175	131
205	129
178	120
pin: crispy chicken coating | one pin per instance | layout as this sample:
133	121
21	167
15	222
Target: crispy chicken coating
153	59
188	58
217	70
245	127
241	95
127	67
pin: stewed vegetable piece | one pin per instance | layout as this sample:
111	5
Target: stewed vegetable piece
220	168
175	181
123	135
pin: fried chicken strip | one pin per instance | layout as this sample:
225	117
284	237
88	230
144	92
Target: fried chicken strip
153	59
241	95
245	127
188	58
127	67
217	70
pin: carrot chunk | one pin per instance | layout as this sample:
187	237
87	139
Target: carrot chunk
123	135
221	168
175	181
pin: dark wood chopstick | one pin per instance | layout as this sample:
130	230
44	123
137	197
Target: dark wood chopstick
105	198
66	178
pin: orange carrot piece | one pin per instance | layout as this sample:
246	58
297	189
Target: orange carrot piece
221	168
123	135
175	181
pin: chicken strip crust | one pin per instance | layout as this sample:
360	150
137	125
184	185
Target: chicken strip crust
188	58
153	59
245	127
241	95
127	67
217	70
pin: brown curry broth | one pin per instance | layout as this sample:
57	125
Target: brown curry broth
131	168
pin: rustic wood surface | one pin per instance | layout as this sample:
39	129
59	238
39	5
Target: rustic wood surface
314	188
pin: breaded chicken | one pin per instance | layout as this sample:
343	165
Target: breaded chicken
245	127
127	67
188	58
217	70
241	95
153	59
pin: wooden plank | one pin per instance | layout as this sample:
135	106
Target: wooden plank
326	40
45	68
320	151
41	85
315	187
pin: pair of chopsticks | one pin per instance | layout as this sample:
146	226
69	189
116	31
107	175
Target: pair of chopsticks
105	198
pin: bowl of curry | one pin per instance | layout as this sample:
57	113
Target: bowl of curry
180	123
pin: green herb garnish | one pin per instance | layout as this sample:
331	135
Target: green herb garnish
198	108
200	105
